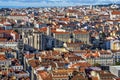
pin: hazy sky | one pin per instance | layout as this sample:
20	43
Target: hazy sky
35	3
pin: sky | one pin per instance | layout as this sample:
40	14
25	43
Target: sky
42	3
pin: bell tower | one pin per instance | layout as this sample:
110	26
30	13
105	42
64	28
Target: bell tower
20	45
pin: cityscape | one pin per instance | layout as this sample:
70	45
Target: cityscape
60	40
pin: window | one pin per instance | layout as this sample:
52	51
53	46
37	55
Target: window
3	63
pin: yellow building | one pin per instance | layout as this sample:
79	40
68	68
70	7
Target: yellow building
81	36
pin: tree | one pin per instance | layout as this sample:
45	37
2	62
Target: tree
97	65
16	30
117	63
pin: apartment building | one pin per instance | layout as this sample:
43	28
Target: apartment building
82	36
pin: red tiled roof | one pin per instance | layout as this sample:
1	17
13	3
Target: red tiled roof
94	78
3	39
80	64
117	79
43	29
72	11
18	15
29	56
64	19
116	13
104	52
88	55
44	75
2	57
61	32
79	76
34	63
80	32
6	31
62	71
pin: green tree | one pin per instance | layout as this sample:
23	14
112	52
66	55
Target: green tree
117	63
96	65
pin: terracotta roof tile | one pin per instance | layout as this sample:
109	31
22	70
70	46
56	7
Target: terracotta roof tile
18	15
28	56
116	13
95	55
80	32
34	63
79	76
2	57
80	64
3	39
6	31
61	32
44	75
94	78
64	19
